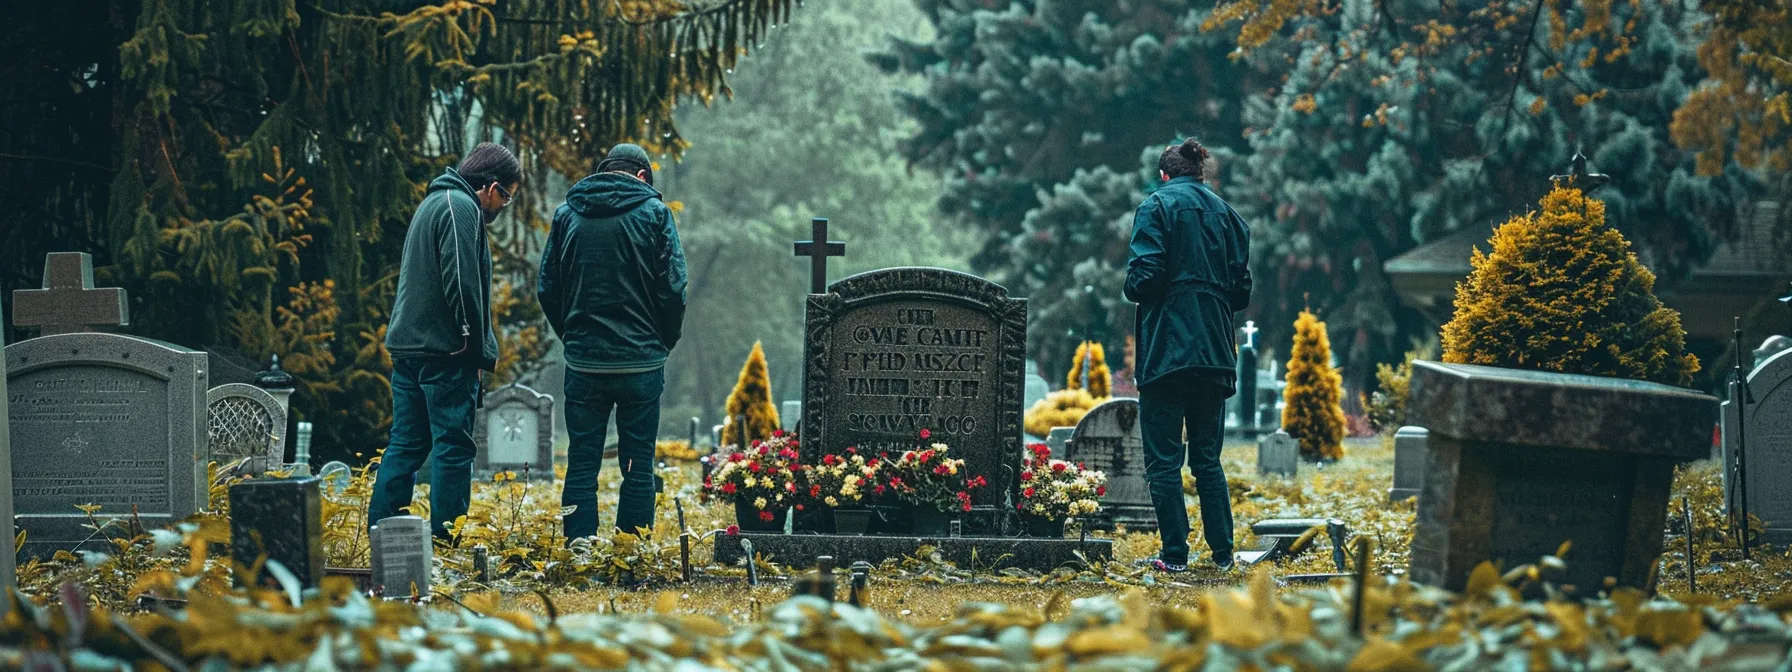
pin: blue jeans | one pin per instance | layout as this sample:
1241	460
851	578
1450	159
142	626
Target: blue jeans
432	416
590	397
1166	407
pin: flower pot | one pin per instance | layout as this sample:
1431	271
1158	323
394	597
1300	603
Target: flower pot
932	522
750	520
852	521
1041	526
814	518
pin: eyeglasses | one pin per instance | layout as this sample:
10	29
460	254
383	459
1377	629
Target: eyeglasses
503	192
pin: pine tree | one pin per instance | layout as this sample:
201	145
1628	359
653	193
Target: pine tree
1561	291
752	397
1311	412
1101	379
258	149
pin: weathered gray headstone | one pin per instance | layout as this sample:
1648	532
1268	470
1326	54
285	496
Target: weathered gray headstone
1774	345
1058	440
1278	453
104	419
790	415
1521	461
1409	463
1037	388
8	555
890	353
515	431
1769	446
281	519
68	302
246	422
1108	440
402	555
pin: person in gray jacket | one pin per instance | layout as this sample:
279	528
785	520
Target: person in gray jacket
441	336
612	286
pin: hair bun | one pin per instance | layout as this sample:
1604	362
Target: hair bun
1192	151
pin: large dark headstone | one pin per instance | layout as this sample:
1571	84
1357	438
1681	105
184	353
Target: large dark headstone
281	519
1521	461
1108	440
892	352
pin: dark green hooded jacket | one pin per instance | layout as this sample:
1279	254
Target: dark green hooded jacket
613	277
1190	272
443	310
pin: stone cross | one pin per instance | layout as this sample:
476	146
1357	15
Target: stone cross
1578	177
68	302
818	248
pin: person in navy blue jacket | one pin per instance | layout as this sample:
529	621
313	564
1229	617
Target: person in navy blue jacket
1189	274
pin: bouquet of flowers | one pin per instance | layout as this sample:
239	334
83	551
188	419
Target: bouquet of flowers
927	477
1055	489
842	482
763	476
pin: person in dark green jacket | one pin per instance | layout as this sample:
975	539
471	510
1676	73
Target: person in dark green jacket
612	285
441	336
1189	273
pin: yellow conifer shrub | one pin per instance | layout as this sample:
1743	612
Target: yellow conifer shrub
1311	412
1101	380
1074	381
1063	408
1561	291
752	397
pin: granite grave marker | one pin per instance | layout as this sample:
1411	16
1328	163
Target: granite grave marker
890	353
402	554
1278	453
281	519
515	432
1521	461
68	302
1409	463
246	422
1107	439
104	419
1769	446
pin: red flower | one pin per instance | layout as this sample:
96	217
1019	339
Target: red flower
1020	507
1101	491
799	507
736	457
967	506
733	530
756	443
853	450
829	459
1026	475
1027	492
877	490
777	433
787	454
814	491
941	470
926	434
962	496
925	456
794	444
790	486
728	488
1059	466
754	467
766	516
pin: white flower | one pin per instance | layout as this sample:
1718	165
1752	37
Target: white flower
750	482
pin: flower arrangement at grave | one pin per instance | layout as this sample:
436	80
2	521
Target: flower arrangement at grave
1056	489
761	480
926	477
1562	291
1311	409
838	482
752	397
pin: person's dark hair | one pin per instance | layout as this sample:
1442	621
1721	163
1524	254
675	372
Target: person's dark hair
488	163
1187	159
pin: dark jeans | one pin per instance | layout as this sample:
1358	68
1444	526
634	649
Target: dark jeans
432	416
1166	406
589	399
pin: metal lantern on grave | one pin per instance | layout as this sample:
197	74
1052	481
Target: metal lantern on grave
280	384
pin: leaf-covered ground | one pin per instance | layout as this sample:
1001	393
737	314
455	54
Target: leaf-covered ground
604	602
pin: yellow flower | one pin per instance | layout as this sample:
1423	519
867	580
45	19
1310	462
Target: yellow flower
750	482
759	503
831	501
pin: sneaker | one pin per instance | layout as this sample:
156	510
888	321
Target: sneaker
1159	565
1225	564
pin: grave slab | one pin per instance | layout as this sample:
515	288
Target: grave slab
515	432
104	419
1521	461
281	518
800	550
1409	463
402	555
1769	446
1107	440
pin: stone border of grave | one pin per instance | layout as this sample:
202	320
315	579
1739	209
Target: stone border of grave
187	420
800	550
932	284
272	458
543	467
